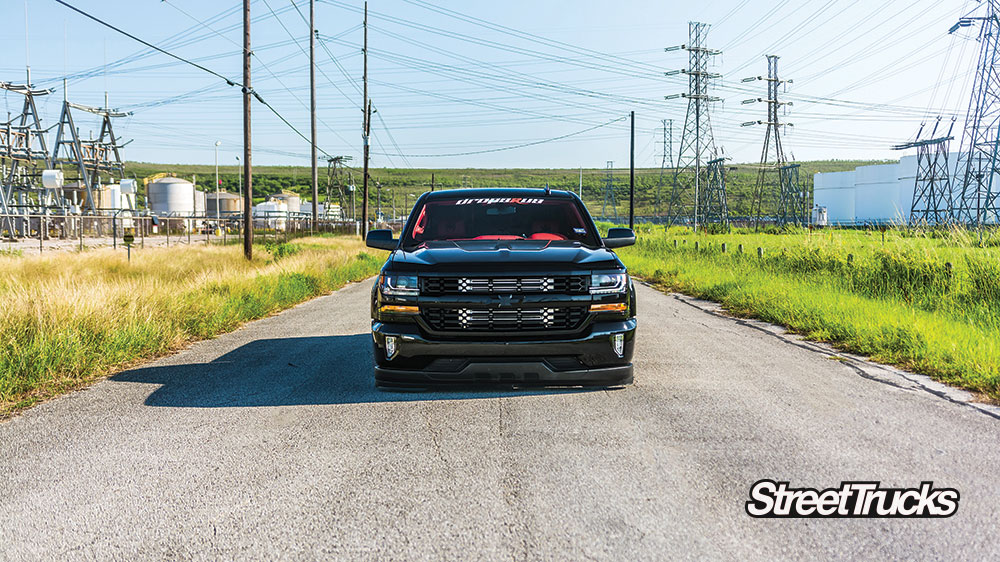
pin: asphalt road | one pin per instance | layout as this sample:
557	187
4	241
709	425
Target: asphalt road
270	443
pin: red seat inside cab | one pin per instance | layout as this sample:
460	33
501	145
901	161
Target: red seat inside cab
545	230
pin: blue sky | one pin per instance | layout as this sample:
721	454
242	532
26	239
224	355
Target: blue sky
456	77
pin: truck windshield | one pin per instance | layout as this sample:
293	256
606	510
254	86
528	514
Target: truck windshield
501	218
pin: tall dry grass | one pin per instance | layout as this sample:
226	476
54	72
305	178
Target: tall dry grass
67	319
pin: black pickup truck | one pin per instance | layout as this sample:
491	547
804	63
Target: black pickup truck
502	286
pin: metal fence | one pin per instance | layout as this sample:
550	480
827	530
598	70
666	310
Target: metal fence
63	231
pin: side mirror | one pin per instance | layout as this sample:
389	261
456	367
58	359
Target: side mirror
619	237
381	239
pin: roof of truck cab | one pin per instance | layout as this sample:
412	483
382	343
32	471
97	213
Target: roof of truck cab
492	192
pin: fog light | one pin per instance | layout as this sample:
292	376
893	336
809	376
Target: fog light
390	347
609	307
618	343
400	309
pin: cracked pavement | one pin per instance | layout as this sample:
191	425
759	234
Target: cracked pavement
271	443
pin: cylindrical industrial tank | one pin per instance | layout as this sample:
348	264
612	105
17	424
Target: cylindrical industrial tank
876	194
907	183
230	204
271	214
835	192
199	203
171	196
290	199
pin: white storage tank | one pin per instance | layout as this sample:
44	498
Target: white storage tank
199	203
876	195
307	209
907	183
290	199
271	214
171	196
835	191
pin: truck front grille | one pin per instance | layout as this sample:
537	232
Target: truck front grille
503	319
576	284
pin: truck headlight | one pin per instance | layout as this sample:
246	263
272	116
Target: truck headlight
608	283
399	285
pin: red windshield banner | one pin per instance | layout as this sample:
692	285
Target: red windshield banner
494	200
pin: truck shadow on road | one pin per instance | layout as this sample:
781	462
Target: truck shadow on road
289	371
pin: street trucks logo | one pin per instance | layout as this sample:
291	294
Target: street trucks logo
852	499
495	200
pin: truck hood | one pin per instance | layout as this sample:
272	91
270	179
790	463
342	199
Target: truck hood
474	256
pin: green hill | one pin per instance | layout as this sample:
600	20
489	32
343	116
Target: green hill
400	186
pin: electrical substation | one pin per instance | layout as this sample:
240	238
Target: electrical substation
59	182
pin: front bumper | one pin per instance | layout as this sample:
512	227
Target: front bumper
588	360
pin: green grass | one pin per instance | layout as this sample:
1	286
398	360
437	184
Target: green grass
68	319
925	301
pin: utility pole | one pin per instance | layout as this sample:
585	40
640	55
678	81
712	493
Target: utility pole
312	110
697	141
217	214
366	108
247	168
581	184
772	156
631	175
432	181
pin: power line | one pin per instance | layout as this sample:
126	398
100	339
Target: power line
522	145
198	66
150	45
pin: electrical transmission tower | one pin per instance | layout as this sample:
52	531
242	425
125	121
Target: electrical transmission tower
715	207
22	149
793	203
777	185
609	193
977	160
668	153
697	143
932	203
334	167
91	157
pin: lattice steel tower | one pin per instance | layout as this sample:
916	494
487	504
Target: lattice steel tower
777	185
335	176
976	201
715	208
697	143
668	153
932	202
609	193
23	154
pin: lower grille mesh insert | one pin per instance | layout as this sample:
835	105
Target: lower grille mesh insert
503	319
